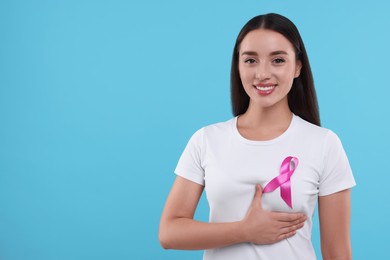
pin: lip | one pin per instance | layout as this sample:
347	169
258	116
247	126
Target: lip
264	89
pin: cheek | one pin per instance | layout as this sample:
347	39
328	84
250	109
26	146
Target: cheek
286	75
246	76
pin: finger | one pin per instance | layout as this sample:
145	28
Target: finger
257	197
287	235
299	221
291	228
259	188
296	222
289	217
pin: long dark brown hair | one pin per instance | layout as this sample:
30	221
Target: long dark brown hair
302	98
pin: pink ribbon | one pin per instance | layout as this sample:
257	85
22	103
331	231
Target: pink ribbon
283	180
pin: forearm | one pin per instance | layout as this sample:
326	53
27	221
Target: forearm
178	229
338	250
189	234
334	215
340	256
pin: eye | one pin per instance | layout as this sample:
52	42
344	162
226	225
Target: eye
250	61
279	61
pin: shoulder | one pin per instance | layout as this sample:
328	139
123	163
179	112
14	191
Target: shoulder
310	130
309	127
318	135
216	128
214	131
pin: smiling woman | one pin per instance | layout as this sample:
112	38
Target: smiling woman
274	141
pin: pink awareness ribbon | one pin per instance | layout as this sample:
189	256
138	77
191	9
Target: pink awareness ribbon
283	180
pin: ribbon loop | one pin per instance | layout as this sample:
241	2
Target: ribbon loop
287	169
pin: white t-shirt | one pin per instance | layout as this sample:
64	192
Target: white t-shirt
229	166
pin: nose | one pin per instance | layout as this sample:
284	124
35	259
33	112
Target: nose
262	71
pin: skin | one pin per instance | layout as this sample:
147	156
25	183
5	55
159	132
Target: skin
266	58
334	214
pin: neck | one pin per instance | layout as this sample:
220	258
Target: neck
264	123
267	117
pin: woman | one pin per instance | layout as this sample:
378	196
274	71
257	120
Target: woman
265	169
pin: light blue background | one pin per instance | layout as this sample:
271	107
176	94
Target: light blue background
99	98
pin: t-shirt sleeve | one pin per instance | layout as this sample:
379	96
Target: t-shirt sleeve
190	162
337	174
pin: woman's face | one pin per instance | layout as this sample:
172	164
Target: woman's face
267	65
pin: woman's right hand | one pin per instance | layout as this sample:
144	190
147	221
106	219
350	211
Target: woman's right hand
265	227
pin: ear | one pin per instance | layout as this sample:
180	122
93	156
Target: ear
298	68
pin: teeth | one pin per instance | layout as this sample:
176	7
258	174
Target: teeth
265	88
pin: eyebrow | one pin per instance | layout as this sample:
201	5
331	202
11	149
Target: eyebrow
253	53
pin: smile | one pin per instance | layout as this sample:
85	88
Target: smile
265	90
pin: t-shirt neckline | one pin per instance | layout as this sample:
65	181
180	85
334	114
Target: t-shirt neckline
237	134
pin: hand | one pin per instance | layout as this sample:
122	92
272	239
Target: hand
265	227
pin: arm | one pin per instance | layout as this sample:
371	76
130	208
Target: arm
334	214
179	230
